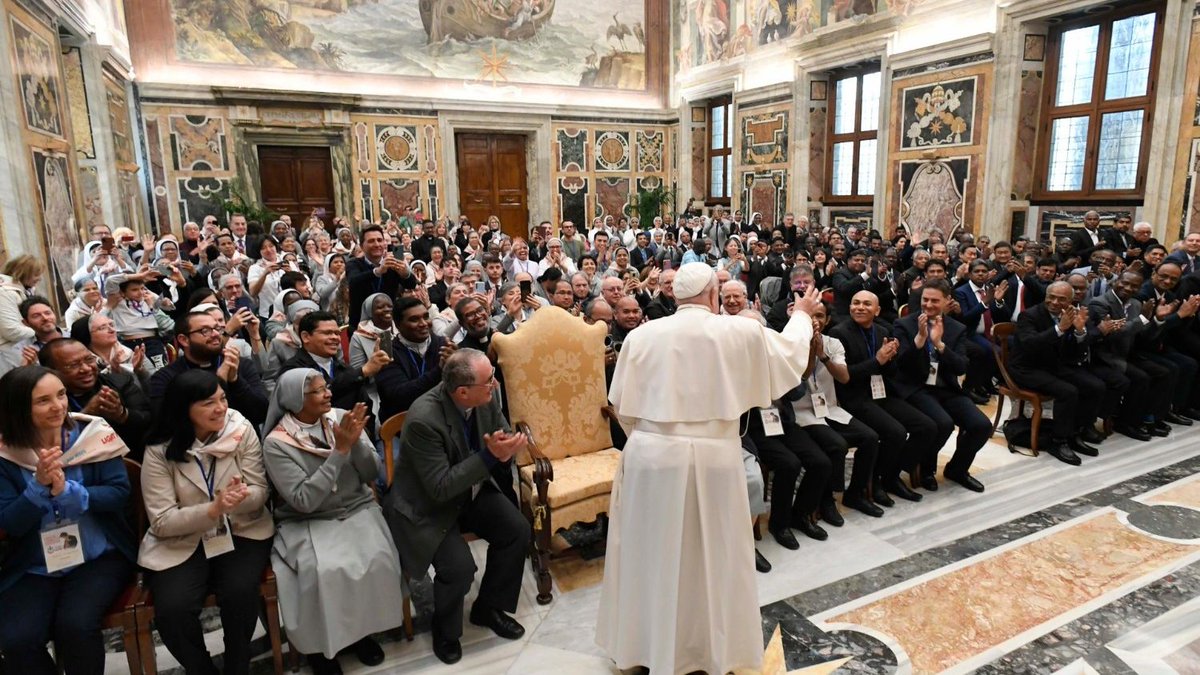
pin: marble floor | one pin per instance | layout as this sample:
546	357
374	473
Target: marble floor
1054	569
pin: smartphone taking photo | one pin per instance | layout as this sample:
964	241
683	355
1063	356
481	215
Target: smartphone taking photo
526	290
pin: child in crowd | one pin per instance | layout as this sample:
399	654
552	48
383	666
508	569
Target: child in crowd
133	310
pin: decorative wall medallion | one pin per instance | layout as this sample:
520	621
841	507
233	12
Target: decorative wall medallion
650	150
932	196
939	114
612	197
198	143
396	148
612	151
572	144
37	74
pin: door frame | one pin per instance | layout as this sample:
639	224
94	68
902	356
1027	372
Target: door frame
537	132
337	141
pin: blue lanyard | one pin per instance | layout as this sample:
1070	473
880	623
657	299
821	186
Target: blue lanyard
869	336
420	367
209	477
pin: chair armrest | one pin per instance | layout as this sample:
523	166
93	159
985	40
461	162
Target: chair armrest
543	470
610	413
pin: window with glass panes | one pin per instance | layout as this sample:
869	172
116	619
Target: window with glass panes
853	130
1098	106
720	150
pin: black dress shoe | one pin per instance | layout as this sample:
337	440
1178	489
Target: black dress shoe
1138	433
761	563
1059	450
1176	418
501	624
1193	413
829	513
880	495
368	652
860	503
898	488
323	666
1076	443
978	398
810	529
1159	428
785	538
964	479
1090	435
929	482
448	652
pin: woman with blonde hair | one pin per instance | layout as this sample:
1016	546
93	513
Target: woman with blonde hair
20	276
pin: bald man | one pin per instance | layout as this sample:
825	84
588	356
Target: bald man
1088	238
1053	340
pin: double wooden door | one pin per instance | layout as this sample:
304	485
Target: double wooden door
492	181
296	180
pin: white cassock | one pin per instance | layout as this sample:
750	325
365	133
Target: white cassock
679	591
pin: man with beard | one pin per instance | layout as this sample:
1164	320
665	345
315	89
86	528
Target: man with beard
474	318
417	365
199	338
115	396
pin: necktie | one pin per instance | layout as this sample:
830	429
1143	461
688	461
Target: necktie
987	314
241	245
1099	289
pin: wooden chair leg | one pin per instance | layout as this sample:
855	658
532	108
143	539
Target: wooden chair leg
133	655
541	535
1035	426
271	602
408	620
999	409
145	642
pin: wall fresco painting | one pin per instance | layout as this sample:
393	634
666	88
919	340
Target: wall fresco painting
37	75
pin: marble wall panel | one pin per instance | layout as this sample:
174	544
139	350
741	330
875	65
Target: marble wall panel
572	149
816	152
198	143
597	168
118	116
395	163
699	165
761	159
190	161
765	192
395	194
1025	152
77	102
89	197
37	70
938	114
933	196
612	152
52	171
650	146
612	197
572	199
200	196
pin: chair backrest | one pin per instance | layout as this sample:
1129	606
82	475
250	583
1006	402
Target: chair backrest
904	310
137	505
1001	336
345	333
387	435
554	378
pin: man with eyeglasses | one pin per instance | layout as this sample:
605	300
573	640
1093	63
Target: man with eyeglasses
444	484
199	339
115	396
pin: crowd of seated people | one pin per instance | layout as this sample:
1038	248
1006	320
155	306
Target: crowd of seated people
249	372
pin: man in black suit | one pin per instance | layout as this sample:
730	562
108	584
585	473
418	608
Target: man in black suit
1052	338
905	434
1118	238
932	355
855	277
454	434
1188	256
1088	238
983	306
1165	349
663	304
1122	319
377	271
321	340
417	359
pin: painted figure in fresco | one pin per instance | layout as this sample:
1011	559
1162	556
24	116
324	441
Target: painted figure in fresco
770	20
712	24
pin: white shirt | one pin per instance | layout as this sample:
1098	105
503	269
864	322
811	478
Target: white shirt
821	381
270	287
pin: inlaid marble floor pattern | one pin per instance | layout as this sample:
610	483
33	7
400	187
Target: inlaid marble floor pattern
1054	569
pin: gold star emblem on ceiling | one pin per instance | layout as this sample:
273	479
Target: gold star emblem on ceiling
494	65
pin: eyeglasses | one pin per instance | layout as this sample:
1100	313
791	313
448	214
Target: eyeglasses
207	331
489	382
320	391
77	366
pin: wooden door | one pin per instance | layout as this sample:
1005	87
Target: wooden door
491	180
295	180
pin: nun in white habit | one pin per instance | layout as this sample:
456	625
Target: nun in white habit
679	591
333	556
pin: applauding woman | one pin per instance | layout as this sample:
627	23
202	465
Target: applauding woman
71	549
205	490
337	567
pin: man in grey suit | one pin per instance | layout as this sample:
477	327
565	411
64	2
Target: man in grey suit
443	486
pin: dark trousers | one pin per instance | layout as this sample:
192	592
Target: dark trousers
855	435
1150	388
67	609
1184	367
785	455
496	520
981	364
179	594
1077	396
905	433
1116	386
835	448
156	351
1187	341
947	409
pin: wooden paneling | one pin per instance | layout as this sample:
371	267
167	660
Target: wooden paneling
492	181
296	180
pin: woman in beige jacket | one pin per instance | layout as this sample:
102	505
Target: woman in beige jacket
205	490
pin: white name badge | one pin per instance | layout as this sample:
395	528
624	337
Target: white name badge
820	406
878	390
772	425
933	372
219	540
62	546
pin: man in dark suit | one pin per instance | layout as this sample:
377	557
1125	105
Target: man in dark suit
321	340
983	306
905	434
454	434
1118	238
1168	349
1051	340
855	277
377	271
417	359
1122	319
931	357
1188	256
1088	238
663	304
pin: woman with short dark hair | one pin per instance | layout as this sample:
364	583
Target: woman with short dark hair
205	489
48	592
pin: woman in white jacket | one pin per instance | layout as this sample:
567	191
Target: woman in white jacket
20	275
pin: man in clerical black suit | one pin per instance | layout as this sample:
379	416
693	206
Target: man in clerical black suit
905	434
1088	238
1052	339
932	355
454	434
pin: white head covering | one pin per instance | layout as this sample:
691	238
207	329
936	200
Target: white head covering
288	396
691	280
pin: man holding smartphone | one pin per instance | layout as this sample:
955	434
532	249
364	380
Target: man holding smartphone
377	271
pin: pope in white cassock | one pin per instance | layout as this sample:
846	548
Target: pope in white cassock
679	591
